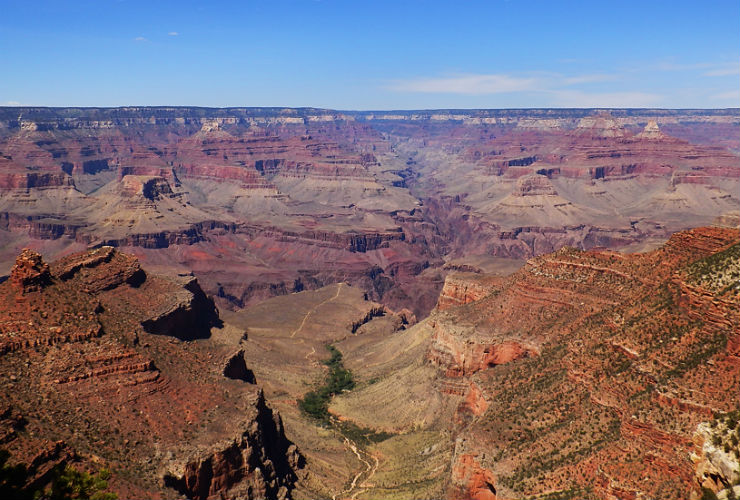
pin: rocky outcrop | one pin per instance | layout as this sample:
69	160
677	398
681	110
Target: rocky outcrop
78	365
260	463
236	368
188	315
474	403
30	273
463	288
715	457
148	187
652	131
144	171
534	185
470	481
455	351
82	267
373	312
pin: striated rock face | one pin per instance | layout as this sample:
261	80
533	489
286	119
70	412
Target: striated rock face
254	199
463	288
628	356
471	481
188	314
261	463
34	180
534	185
602	126
80	370
459	354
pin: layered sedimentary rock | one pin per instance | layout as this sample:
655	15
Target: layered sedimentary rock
472	480
463	288
628	354
407	190
260	463
81	370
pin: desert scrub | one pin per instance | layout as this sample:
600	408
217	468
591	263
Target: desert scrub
66	483
720	272
725	433
361	435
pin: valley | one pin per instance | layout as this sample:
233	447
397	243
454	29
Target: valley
496	304
257	201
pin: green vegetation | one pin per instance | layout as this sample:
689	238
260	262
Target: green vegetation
70	483
316	403
67	483
569	494
700	354
725	432
13	479
719	272
362	435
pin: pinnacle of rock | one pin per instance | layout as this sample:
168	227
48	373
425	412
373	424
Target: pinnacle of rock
651	131
30	273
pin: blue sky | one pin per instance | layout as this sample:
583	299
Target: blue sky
361	54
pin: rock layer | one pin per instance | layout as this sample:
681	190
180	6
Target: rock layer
81	371
406	190
629	356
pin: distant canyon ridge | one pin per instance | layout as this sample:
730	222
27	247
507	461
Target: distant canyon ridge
259	202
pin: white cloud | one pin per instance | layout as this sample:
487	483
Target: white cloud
140	39
467	84
497	83
173	33
708	68
11	103
594	78
732	94
728	70
672	66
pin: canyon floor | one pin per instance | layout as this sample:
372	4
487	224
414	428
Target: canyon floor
495	303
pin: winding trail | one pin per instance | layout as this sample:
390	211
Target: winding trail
313	351
364	484
354	488
353	447
363	456
313	310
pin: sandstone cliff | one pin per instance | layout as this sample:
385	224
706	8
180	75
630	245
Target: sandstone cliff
611	363
86	383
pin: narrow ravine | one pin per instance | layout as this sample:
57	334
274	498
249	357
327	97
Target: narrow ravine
315	404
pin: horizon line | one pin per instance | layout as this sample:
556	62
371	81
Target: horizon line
397	110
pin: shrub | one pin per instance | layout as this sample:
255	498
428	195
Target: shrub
67	483
316	403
